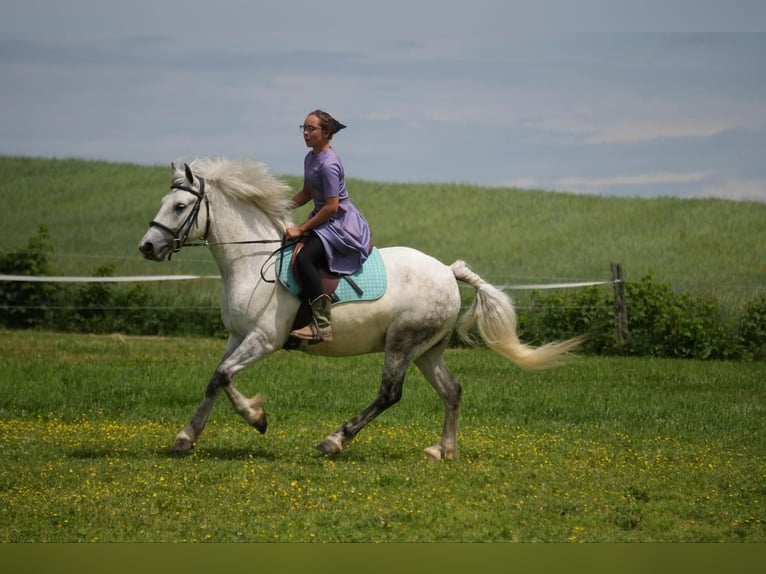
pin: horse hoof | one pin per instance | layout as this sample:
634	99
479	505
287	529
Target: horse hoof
261	425
438	453
329	446
183	444
256	415
433	452
181	448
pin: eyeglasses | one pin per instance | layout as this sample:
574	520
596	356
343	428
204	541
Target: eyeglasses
308	128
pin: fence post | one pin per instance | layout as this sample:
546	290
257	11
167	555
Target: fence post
620	310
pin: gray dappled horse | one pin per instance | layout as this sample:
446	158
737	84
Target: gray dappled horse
240	210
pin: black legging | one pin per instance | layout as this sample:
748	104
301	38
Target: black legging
308	262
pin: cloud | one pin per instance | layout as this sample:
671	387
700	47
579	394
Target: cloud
687	185
619	132
462	99
522	183
652	179
737	189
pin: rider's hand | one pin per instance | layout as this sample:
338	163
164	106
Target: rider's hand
293	232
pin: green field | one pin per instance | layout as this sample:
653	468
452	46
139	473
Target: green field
96	213
604	449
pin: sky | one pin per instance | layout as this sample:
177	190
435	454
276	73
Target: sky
642	99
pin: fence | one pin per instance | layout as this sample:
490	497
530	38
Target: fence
617	281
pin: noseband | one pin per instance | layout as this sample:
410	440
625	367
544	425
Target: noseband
180	236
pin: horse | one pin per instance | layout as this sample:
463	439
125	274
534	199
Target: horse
239	210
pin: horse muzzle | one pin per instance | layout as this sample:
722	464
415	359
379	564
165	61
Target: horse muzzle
154	246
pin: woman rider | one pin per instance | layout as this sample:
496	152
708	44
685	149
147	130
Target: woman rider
335	235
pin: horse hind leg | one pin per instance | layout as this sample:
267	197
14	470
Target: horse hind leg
390	393
435	370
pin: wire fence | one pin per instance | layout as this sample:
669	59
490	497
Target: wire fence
162	278
697	327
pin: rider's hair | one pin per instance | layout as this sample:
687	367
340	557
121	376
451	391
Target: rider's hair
329	124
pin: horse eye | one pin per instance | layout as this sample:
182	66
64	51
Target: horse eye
180	206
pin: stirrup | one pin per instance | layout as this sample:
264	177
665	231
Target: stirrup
308	333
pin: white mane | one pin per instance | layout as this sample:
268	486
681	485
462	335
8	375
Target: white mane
248	181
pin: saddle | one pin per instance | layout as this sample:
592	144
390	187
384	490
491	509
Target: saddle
367	283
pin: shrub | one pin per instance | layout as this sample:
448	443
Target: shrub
26	304
90	307
752	329
133	310
665	324
661	323
559	316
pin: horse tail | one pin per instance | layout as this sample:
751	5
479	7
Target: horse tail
493	314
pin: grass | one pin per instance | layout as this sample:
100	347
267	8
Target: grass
97	212
606	450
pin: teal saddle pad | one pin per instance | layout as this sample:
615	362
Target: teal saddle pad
370	279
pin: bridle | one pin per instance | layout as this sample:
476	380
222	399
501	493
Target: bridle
182	234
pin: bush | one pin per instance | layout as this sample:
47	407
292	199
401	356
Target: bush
560	316
665	324
105	307
90	307
661	323
133	310
26	304
752	329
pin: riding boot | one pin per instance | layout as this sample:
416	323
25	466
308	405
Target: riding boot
319	329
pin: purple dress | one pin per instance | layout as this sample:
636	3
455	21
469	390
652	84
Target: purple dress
346	235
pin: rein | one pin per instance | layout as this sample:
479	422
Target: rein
180	236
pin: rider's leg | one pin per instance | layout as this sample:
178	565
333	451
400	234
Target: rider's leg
307	262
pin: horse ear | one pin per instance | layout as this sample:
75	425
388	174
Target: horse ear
173	167
189	174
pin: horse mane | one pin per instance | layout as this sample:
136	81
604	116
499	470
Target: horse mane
248	181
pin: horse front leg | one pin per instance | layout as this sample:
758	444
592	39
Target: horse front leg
249	409
238	356
187	438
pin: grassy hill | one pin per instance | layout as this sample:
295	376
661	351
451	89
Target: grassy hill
97	211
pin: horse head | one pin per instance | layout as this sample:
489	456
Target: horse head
178	219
